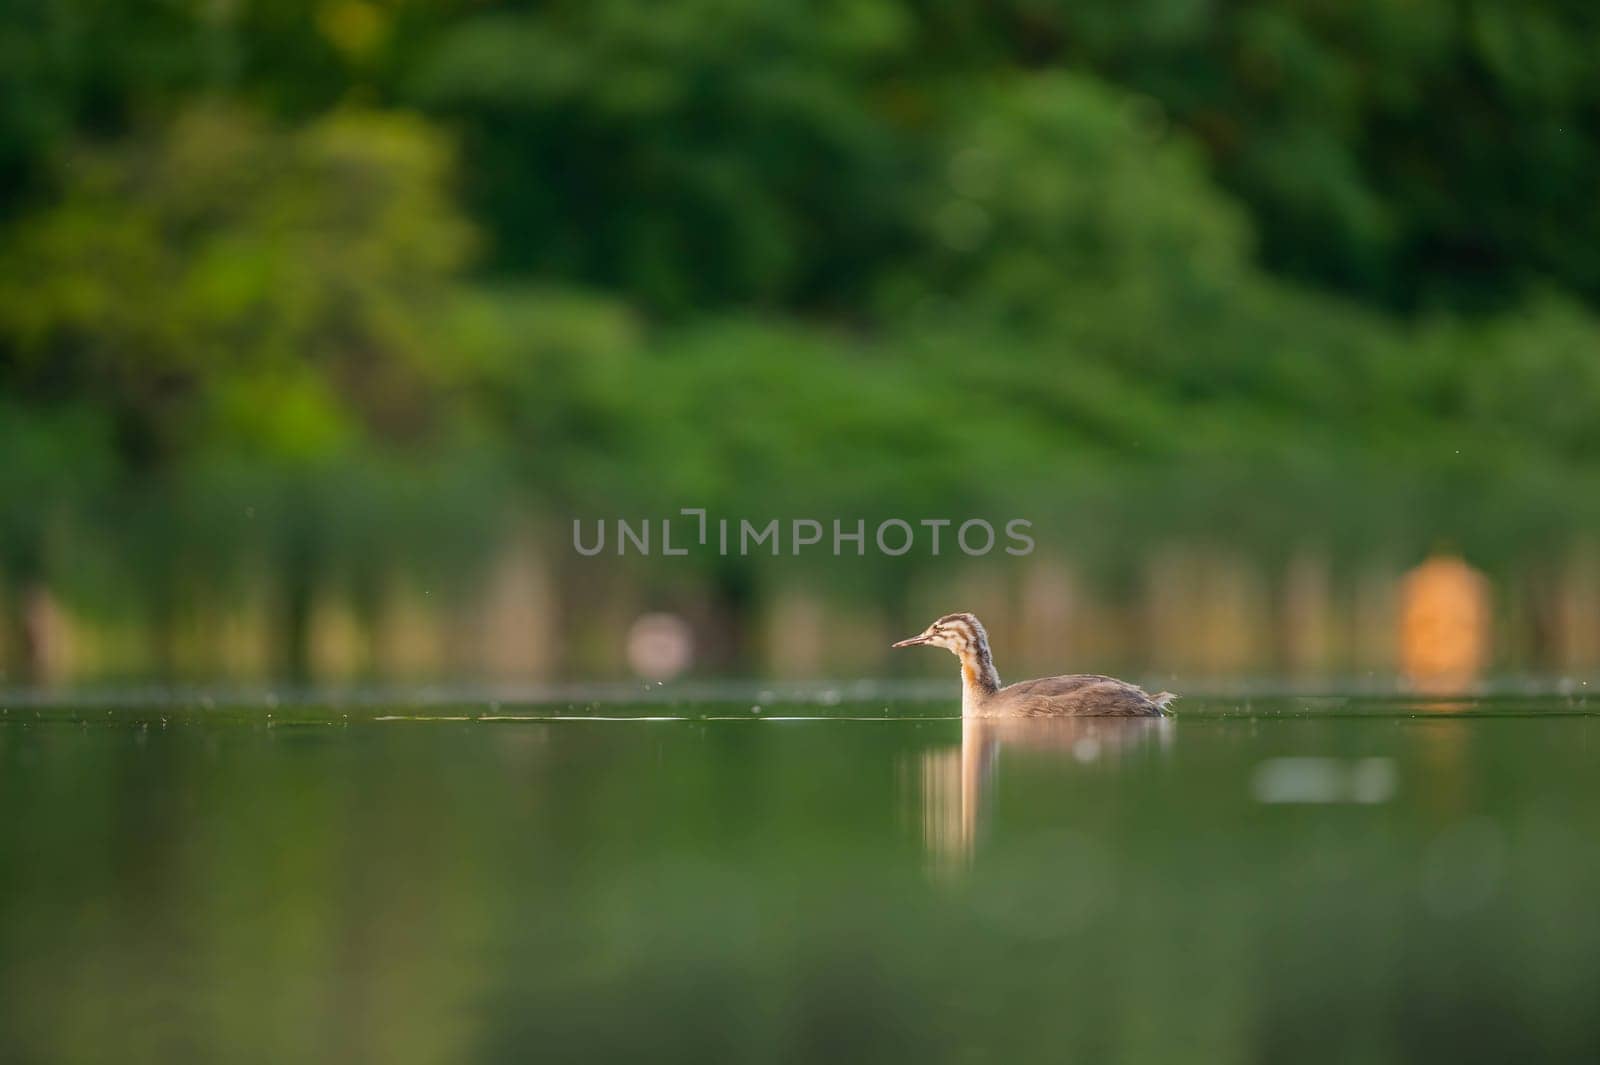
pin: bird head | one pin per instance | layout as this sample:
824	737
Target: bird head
956	633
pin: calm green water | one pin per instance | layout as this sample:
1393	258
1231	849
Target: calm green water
1278	881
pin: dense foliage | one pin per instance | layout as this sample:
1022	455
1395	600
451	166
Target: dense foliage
318	284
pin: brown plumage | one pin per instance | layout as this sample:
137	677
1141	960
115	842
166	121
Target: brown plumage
1074	695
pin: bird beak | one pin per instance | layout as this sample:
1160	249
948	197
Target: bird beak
913	642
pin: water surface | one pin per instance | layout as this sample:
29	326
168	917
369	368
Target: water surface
1258	880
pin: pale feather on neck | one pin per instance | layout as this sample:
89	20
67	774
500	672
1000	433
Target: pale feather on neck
979	679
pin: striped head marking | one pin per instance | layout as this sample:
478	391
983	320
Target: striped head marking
957	633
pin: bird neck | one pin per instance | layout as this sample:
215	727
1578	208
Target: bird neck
979	679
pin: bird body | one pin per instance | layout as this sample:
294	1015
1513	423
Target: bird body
1073	695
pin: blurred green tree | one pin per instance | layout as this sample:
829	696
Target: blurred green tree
231	294
686	155
1412	154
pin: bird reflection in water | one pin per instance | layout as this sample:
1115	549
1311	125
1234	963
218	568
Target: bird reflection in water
956	781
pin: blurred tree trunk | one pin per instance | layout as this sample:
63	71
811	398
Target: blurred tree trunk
23	658
298	574
43	633
1541	586
294	633
22	598
729	626
370	599
34	634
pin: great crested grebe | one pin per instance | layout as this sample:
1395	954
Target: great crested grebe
1075	695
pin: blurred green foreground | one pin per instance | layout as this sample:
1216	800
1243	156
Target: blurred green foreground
237	887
